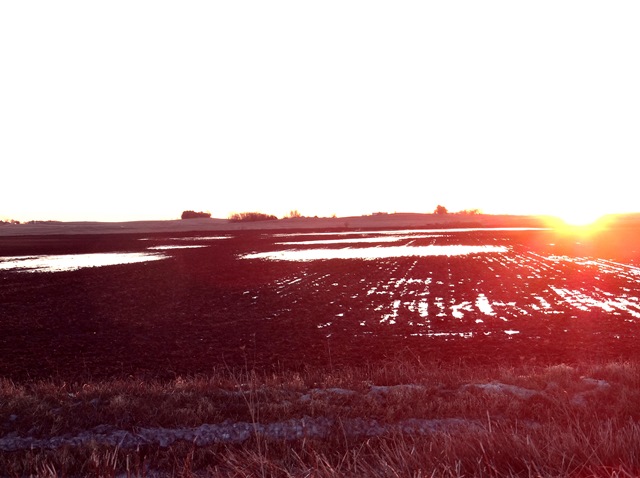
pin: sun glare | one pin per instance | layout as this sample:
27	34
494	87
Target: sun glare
581	222
580	218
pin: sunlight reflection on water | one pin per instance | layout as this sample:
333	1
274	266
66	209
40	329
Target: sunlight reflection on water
193	238
372	253
62	263
166	248
410	231
388	238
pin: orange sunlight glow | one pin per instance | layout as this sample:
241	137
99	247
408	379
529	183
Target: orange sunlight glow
583	223
581	218
586	209
585	214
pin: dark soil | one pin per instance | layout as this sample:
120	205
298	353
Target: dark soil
205	308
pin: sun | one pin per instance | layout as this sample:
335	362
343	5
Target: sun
585	221
580	218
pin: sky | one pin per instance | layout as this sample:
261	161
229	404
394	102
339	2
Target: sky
130	110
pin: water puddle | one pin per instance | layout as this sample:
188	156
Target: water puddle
372	253
458	310
200	238
194	238
166	248
464	335
610	304
483	304
355	240
73	262
412	231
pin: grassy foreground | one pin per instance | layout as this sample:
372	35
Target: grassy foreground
401	418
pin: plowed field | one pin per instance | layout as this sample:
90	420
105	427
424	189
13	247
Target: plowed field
244	299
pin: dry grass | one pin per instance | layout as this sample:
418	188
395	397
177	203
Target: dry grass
522	421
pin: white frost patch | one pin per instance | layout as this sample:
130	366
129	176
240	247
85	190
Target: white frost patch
483	304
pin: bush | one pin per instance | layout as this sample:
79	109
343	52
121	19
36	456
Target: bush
195	215
251	217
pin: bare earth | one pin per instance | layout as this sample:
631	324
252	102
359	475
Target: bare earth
545	297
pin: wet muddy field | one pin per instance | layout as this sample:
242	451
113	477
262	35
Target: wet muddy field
80	307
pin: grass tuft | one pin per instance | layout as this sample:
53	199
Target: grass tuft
561	420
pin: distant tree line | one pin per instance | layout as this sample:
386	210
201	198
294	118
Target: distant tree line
294	213
251	217
465	212
195	215
242	216
9	221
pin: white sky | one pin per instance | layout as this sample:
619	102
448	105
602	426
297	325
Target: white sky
124	110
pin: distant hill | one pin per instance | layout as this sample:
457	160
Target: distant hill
375	221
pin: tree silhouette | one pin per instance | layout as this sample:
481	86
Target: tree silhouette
251	217
294	213
440	210
195	215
